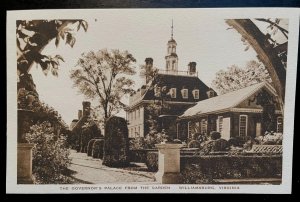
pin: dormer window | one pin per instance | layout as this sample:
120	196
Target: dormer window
184	93
173	92
196	94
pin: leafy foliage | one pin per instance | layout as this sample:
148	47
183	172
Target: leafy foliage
97	148
236	78
103	75
152	161
270	138
116	143
50	154
33	35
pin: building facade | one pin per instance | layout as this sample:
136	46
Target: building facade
180	90
248	112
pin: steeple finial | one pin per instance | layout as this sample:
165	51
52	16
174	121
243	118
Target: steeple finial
172	30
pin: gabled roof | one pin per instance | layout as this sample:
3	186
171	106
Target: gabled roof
226	101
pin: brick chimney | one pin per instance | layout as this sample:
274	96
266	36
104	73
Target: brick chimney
86	108
192	68
79	114
149	66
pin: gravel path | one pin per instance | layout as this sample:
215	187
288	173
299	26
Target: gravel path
91	171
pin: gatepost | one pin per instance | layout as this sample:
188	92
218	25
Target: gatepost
168	163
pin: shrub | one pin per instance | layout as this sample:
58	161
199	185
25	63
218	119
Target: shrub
152	161
236	142
194	144
97	148
152	139
215	135
220	145
116	143
270	138
136	143
177	141
214	146
50	154
90	147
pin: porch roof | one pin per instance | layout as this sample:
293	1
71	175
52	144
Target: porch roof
225	101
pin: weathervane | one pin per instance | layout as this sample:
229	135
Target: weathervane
172	30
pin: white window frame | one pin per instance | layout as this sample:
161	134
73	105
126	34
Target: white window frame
194	94
220	126
189	131
246	127
203	126
187	93
173	90
277	124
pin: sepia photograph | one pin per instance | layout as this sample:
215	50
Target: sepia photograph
151	100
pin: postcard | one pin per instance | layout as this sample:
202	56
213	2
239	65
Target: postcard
151	100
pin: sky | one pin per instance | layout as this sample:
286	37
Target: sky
144	33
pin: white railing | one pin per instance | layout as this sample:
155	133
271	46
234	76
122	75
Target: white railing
180	73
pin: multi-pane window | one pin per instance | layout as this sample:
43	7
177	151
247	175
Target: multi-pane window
196	94
189	129
279	124
220	120
173	92
203	126
184	93
243	125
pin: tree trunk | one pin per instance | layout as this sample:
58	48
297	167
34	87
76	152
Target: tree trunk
266	53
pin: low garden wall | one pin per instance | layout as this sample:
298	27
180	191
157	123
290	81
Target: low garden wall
140	155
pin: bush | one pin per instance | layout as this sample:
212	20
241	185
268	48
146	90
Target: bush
204	169
214	146
236	142
116	144
90	147
152	161
97	149
214	135
136	143
270	138
50	154
194	144
152	139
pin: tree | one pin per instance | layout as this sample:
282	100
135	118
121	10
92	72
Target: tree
236	78
103	75
34	35
272	54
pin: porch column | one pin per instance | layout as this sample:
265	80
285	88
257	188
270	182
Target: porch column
168	163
